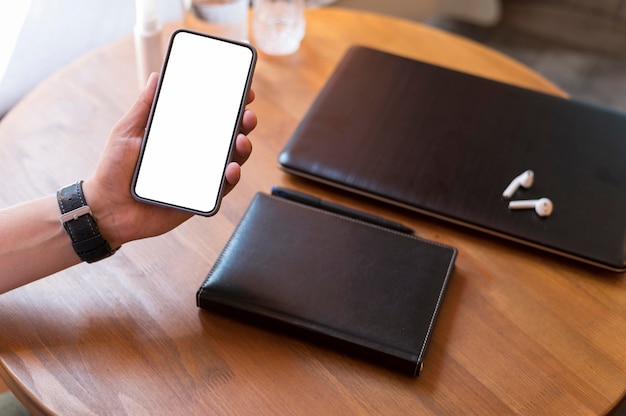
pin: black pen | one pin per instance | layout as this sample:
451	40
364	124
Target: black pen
338	209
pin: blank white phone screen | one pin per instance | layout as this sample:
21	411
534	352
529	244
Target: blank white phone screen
194	122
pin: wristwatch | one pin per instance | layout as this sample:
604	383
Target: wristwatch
78	221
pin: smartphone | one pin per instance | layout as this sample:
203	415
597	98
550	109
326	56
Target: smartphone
193	123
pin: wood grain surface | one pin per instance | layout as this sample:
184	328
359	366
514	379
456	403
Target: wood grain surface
520	331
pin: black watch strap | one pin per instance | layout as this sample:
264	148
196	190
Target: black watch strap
80	224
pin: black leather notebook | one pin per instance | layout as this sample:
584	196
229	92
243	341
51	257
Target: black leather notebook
446	144
365	289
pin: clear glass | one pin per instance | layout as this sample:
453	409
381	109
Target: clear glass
223	18
278	26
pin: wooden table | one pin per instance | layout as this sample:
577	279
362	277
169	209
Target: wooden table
520	331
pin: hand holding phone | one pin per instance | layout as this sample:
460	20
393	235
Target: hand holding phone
193	123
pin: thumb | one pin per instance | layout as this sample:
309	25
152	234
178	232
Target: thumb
134	121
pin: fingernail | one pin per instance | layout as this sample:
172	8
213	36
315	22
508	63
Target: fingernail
152	75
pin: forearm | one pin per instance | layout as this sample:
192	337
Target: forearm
33	243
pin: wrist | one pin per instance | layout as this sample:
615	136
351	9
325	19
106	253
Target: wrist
105	213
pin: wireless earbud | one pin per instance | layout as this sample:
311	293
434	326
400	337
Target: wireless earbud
543	206
524	180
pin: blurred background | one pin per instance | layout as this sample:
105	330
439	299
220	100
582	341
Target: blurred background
580	45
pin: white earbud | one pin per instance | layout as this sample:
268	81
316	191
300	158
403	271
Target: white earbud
524	180
543	206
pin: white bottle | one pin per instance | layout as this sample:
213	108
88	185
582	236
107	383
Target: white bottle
148	46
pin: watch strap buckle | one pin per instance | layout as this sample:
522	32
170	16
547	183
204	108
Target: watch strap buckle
74	214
